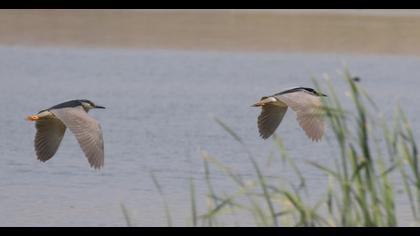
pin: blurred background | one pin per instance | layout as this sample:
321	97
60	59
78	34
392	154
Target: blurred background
353	31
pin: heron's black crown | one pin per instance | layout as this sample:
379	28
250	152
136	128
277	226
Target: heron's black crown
310	90
72	103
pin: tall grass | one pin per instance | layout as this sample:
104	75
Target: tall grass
376	157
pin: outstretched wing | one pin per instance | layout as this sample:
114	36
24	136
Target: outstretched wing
270	118
308	111
49	133
87	130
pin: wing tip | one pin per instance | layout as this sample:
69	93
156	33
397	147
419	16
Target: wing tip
315	138
265	135
97	165
41	160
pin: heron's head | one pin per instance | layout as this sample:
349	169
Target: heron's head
315	93
87	105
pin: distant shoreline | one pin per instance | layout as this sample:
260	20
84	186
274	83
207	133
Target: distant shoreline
395	32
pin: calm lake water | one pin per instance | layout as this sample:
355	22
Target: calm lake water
160	117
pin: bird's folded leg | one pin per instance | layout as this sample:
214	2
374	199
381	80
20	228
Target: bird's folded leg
32	118
43	114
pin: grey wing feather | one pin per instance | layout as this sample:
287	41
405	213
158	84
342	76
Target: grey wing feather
269	119
88	133
49	133
312	124
308	112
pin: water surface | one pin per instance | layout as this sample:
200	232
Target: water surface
159	117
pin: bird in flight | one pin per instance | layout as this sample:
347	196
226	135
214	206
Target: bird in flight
51	125
306	102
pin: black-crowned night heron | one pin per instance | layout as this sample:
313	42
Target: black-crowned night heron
305	102
51	124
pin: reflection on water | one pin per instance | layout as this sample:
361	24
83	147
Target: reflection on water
159	117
